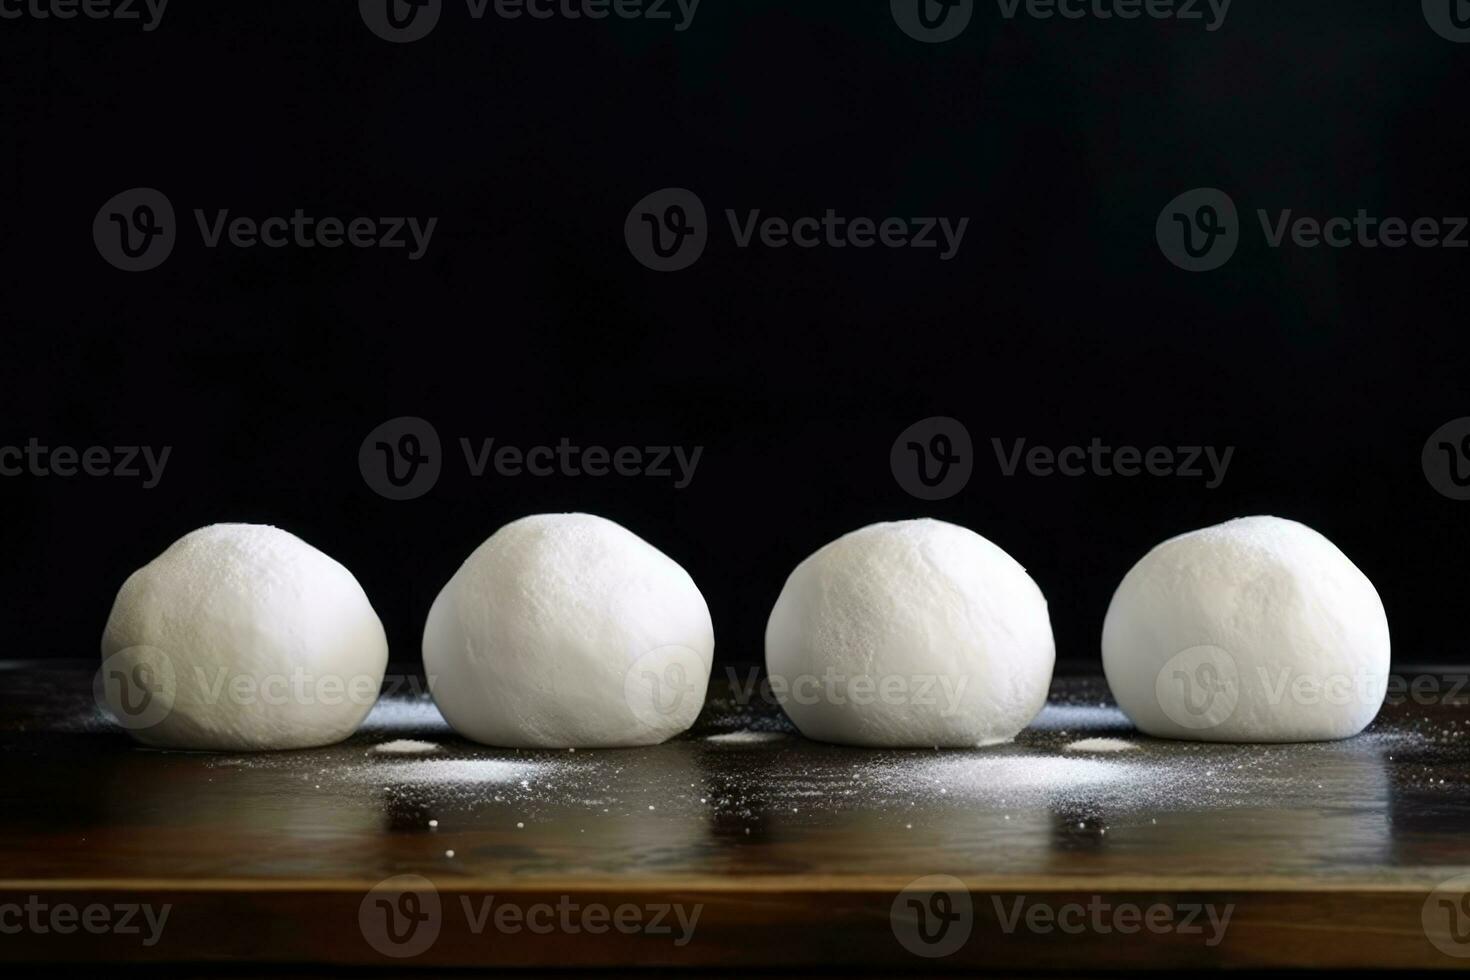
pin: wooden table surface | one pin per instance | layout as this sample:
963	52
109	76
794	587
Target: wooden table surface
1056	855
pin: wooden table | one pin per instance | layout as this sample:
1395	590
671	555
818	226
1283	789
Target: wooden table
792	854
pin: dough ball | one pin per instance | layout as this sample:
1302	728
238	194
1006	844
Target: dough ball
569	631
1256	630
911	634
241	637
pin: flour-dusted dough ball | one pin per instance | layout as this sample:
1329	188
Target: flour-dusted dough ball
241	637
569	631
1256	630
910	634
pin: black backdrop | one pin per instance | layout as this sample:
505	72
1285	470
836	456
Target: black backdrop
528	319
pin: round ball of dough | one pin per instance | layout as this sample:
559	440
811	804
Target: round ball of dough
1256	630
569	631
241	637
910	634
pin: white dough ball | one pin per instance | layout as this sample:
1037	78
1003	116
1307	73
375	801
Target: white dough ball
569	631
910	634
241	637
1256	630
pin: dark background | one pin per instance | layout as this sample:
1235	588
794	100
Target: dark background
529	320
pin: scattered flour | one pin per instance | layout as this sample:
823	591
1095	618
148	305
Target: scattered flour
448	772
746	738
405	746
1067	769
1102	745
1020	778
